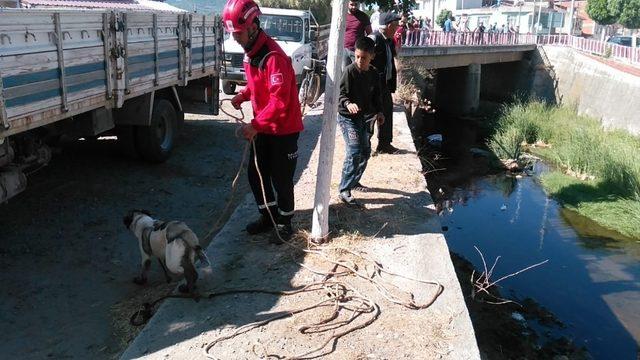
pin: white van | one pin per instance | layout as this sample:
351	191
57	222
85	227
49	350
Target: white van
296	31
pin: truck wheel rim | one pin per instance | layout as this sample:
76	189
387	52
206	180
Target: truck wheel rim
164	133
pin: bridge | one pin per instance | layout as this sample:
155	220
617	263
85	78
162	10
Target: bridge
466	65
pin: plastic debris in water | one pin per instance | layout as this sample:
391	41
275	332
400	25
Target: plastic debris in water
503	207
517	316
435	140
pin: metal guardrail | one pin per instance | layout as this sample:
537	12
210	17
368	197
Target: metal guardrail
419	38
596	47
422	38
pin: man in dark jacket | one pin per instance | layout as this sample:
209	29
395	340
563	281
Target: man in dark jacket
385	53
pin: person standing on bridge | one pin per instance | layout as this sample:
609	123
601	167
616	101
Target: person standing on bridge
358	25
383	61
277	123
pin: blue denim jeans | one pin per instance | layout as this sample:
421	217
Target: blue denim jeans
357	151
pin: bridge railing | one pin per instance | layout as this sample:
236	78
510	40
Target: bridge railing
421	38
595	47
417	38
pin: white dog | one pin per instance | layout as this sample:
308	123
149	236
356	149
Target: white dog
172	242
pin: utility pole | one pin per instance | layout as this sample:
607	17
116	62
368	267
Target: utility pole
571	17
320	225
539	14
520	3
433	15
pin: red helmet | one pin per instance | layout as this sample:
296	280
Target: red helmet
238	14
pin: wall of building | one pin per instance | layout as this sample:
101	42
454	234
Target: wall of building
596	89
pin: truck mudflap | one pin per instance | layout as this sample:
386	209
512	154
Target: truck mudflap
215	95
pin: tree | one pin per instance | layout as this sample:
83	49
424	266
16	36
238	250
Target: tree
630	14
442	17
600	11
615	7
321	9
400	6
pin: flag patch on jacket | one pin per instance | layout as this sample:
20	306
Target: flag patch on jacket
277	79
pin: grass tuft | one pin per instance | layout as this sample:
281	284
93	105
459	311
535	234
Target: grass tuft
598	170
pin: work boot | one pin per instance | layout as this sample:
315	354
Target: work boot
263	224
386	149
285	231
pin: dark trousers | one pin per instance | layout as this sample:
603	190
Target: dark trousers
277	158
385	131
357	151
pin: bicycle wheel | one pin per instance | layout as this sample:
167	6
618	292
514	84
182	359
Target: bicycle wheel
313	92
304	90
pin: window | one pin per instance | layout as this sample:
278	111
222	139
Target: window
557	20
285	28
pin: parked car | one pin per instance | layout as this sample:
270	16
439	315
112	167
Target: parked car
296	31
623	40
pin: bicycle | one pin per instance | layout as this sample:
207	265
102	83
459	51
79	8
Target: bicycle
310	87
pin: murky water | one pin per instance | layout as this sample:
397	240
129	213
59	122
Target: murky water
592	280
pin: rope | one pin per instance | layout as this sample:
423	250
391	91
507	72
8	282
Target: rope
340	296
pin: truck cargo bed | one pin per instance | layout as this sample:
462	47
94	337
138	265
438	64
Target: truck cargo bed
55	64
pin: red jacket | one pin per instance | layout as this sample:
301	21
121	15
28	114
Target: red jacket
271	87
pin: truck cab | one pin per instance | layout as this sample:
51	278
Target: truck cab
296	31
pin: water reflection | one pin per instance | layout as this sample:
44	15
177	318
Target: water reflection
592	281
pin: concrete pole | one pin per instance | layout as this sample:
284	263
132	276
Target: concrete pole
433	15
539	14
571	17
320	225
472	90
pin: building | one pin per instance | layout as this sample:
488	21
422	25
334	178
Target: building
91	4
583	24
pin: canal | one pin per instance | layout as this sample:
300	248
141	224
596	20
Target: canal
591	282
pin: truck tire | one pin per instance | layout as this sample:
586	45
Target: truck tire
155	142
229	87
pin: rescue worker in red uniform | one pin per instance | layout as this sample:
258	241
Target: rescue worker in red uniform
271	88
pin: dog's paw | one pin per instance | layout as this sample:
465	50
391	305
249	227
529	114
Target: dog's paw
139	280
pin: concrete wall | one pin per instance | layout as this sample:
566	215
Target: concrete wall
595	88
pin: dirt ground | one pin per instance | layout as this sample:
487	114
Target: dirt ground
396	226
66	260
